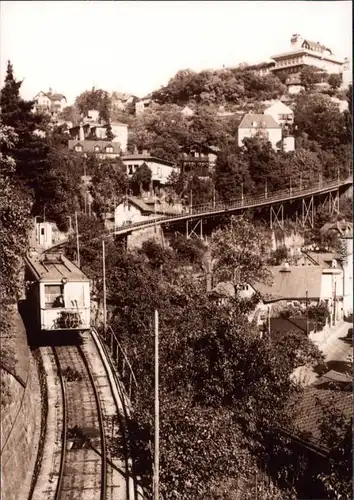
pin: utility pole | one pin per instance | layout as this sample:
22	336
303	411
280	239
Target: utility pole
77	241
242	193
268	321
307	313
335	302
266	188
104	286
157	416
191	200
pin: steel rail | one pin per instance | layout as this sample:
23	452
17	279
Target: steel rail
103	494
59	486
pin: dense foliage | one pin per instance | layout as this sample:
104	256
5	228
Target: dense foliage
219	86
220	384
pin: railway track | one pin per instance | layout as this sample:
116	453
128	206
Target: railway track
91	419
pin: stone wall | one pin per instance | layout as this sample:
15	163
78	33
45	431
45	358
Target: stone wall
20	425
293	241
137	238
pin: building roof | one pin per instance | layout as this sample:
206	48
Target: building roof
122	96
308	412
252	120
53	267
315	46
280	107
333	379
140	204
52	97
323	259
57	97
343	227
224	289
89	146
261	65
292	282
280	327
146	157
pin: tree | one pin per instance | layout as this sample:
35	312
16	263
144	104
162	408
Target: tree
30	151
309	76
240	252
266	167
61	187
336	431
71	114
97	99
318	117
141	179
232	175
109	185
109	133
334	80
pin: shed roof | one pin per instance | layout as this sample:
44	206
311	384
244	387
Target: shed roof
53	267
309	412
293	283
253	120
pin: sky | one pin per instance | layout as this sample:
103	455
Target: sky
137	46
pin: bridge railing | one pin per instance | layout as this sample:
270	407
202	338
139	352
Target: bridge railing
245	202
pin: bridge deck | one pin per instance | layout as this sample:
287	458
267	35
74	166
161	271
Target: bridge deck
236	205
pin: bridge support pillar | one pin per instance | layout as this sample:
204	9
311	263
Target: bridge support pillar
192	229
333	203
277	216
307	212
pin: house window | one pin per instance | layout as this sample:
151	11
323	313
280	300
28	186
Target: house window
109	149
136	167
130	169
96	149
78	148
54	296
159	171
42	231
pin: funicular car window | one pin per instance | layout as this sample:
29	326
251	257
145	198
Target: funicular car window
53	296
76	298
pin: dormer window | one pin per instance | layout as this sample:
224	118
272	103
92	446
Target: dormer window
254	124
96	149
109	149
78	148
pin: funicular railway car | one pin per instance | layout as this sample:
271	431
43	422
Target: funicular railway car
58	292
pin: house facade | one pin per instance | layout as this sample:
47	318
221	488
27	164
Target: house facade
49	102
91	129
160	169
142	104
130	211
305	53
199	160
121	100
281	113
263	68
264	125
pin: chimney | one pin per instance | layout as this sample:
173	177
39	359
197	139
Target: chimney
81	133
145	152
285	268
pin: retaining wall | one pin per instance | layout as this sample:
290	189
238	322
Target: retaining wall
20	426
